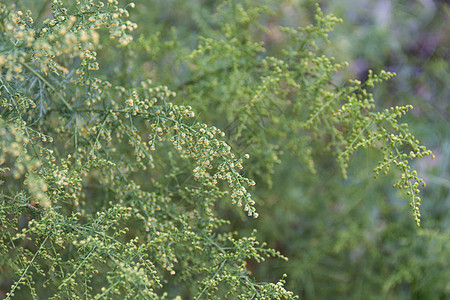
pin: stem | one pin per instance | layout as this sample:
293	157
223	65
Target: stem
48	84
217	272
26	270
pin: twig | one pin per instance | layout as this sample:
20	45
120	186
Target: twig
48	84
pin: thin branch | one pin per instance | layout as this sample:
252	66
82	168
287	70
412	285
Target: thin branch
48	84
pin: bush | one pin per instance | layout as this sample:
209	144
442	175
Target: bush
123	146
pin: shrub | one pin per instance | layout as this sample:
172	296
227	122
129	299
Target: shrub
114	186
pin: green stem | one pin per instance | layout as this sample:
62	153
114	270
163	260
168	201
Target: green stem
48	84
26	269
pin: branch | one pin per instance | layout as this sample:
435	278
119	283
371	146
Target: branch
48	84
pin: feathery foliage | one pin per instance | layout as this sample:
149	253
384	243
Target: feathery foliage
113	184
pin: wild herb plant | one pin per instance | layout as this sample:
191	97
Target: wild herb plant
114	186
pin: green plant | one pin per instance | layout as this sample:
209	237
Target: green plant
108	172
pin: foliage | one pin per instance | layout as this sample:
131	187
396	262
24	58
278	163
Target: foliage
114	188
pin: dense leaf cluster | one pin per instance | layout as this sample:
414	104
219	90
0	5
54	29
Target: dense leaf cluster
113	184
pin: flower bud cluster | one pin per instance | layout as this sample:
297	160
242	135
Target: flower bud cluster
167	121
374	128
63	37
14	153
